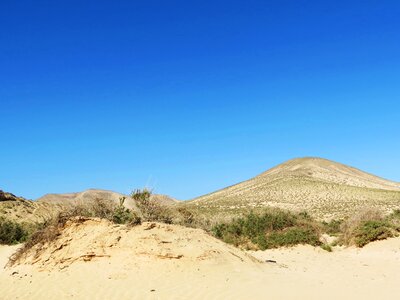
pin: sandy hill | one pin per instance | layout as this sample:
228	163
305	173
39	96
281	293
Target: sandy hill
322	187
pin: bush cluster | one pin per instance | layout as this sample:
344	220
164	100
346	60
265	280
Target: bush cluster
12	232
271	229
150	209
368	226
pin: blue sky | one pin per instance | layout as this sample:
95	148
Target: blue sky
189	97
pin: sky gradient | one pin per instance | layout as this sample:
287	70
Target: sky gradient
189	97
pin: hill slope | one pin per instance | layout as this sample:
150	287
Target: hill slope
23	210
319	186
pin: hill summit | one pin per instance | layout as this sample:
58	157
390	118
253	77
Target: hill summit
329	171
322	187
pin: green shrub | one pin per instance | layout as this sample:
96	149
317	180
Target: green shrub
370	231
124	215
150	209
332	227
327	247
273	228
394	219
12	232
291	237
368	226
351	226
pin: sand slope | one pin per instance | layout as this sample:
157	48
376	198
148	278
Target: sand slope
93	259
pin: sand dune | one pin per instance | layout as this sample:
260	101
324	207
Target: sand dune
94	259
86	239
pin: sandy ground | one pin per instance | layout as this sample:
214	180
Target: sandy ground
169	262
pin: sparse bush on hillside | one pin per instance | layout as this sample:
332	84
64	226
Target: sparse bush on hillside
274	228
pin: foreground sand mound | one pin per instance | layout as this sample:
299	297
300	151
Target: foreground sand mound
132	268
89	239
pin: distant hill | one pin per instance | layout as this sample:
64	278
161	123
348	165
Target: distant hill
85	196
322	187
92	194
23	210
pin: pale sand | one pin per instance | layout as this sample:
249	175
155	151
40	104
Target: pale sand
144	260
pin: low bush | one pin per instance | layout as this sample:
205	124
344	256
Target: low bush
150	209
327	247
394	219
369	231
351	225
271	229
12	232
122	215
368	226
332	227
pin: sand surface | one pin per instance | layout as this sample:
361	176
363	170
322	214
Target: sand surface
173	262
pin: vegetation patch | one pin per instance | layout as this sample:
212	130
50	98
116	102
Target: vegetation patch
368	226
272	229
327	247
332	227
150	209
370	231
12	232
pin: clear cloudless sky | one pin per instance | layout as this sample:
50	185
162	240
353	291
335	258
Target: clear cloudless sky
191	96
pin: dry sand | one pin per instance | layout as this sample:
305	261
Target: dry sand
94	259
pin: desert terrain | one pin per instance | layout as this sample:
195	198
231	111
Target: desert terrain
94	259
315	240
